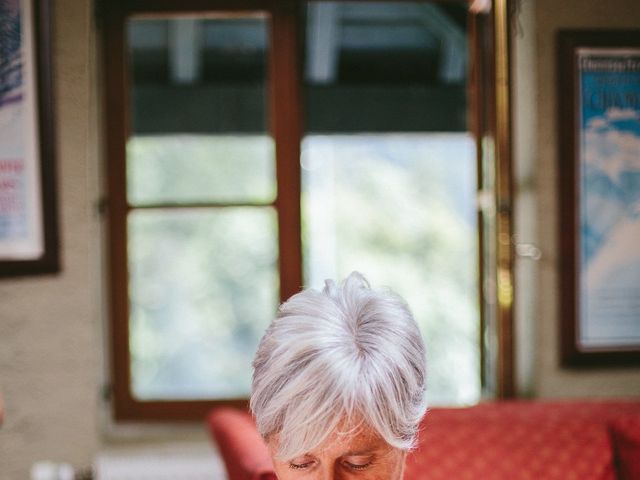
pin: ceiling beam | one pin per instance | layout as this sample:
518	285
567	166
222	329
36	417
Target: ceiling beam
323	42
185	51
453	63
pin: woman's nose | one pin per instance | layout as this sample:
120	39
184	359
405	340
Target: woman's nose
330	473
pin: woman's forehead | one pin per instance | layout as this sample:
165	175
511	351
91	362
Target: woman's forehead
353	437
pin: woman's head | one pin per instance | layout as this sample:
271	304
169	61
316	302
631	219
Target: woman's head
339	366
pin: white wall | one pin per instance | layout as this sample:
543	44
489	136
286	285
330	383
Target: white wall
525	194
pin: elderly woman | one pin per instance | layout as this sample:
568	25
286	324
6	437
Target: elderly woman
338	384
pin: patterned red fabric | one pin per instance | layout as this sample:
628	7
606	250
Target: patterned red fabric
245	455
520	440
626	437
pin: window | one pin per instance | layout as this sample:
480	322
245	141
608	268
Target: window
202	225
243	173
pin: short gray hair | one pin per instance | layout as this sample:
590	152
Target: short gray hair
348	352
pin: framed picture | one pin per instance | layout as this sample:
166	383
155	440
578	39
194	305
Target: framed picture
28	227
599	193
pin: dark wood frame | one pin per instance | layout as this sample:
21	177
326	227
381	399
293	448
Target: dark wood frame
568	204
489	93
49	262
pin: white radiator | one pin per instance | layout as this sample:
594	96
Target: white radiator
162	463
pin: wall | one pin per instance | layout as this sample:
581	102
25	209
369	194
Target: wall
538	156
50	350
526	198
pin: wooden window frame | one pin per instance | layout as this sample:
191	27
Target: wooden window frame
284	126
489	93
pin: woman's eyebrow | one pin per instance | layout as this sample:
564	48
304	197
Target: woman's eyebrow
360	453
303	456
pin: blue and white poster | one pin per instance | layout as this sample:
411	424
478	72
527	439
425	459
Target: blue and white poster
609	198
21	235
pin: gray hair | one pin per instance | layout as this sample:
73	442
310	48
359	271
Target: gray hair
348	352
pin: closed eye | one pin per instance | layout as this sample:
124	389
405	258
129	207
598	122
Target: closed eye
358	466
302	465
358	463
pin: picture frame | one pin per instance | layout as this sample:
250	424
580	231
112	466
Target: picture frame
28	206
599	196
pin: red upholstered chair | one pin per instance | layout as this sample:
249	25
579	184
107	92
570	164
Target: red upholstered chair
626	438
521	440
486	444
245	455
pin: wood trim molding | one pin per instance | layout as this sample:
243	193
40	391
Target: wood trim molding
504	200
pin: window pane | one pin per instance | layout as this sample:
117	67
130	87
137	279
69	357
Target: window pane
389	175
203	288
200	168
400	209
198	111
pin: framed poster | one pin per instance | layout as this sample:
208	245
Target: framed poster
28	227
599	192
